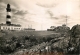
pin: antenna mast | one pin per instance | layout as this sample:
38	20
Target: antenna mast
66	19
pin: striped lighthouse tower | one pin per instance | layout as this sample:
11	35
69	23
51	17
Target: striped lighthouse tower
8	17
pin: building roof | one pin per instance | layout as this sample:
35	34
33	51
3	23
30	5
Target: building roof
28	29
17	25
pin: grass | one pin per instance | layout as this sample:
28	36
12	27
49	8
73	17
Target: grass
9	34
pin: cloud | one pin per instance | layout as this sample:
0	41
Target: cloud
20	13
42	12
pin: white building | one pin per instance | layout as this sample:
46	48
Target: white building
10	27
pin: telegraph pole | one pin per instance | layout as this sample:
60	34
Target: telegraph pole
41	27
79	46
66	19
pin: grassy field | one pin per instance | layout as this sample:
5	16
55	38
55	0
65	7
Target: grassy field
26	33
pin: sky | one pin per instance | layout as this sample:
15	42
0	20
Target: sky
41	14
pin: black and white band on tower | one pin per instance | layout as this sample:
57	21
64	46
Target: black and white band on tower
8	17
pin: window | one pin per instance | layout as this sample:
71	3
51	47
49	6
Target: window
3	27
11	28
14	28
8	28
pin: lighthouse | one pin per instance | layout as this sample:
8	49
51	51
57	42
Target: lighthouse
8	16
12	26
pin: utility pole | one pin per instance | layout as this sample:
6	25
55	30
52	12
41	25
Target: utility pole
41	27
66	19
31	26
79	46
